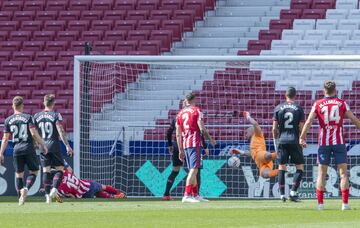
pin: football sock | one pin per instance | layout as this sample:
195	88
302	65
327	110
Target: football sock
47	182
30	181
170	182
110	189
188	190
296	180
281	177
195	190
103	194
57	178
345	195
273	173
320	196
19	184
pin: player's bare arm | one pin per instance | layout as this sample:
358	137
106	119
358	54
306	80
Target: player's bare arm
38	140
205	132
4	143
257	128
179	142
306	128
353	118
64	139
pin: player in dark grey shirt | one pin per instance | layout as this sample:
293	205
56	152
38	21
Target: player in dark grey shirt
49	124
288	121
24	135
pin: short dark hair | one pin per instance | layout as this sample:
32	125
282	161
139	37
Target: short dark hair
49	100
190	97
330	87
291	92
17	101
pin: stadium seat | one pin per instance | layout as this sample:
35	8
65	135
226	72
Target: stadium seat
346	4
33	45
67	35
33	65
272	34
56	5
298	75
339	35
355	34
46	15
125	4
322	74
55	85
79	5
353	14
22	76
300	4
165	36
67	55
304	24
102	46
337	13
39	94
349	24
347	75
102	4
34	5
137	14
6	15
259	44
128	45
77	45
92	15
323	4
91	35
148	25
171	4
5	56
330	44
273	75
250	52
160	14
290	13
16	5
31	25
31	85
315	34
115	35
19	35
65	75
138	35
65	94
44	75
147	4
10	45
23	55
57	65
69	15
4	35
54	25
306	44
289	34
78	25
43	35
177	27
280	24
101	25
313	14
125	25
56	45
327	24
153	46
24	93
23	15
114	14
9	25
11	65
282	44
197	5
351	44
272	52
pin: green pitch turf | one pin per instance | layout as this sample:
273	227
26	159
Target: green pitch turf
144	213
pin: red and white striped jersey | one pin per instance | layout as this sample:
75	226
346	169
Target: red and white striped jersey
70	184
330	112
187	119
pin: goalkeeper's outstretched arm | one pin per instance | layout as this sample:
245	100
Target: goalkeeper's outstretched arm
257	128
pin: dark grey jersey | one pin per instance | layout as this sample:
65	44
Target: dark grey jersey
46	123
288	116
18	125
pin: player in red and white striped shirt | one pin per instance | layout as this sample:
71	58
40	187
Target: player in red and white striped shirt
330	112
189	128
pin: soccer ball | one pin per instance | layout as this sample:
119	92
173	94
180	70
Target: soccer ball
234	162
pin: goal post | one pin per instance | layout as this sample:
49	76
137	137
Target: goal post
133	99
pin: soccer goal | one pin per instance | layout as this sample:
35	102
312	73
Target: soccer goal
124	105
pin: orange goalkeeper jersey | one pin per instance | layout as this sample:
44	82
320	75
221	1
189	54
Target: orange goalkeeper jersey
258	151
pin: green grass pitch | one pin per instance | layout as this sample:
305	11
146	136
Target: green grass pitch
152	213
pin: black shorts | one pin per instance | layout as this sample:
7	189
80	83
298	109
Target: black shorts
53	159
175	157
290	153
31	160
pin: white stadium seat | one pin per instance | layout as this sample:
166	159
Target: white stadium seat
346	4
260	65
320	52
349	24
326	24
337	13
355	35
354	14
284	84
349	75
289	34
342	85
299	75
273	75
285	65
304	24
346	52
271	52
282	44
339	35
322	74
296	52
351	44
315	34
306	44
308	65
329	44
313	85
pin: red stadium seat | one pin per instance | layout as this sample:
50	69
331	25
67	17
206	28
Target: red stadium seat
20	35
78	25
9	25
101	25
102	4
57	5
129	45
92	15
197	5
115	35
67	55
138	35
33	65
177	27
137	14
140	53
55	25
7	85
69	15
67	35
56	45
57	65
33	45
44	75
46	15
5	56
6	15
32	85
34	5
160	14
113	53
125	4
15	5
11	65
165	36
323	4
153	46
80	5
280	24
125	25
300	4
313	14
272	34
103	45
22	76
4	75
171	4
148	24
45	55
147	4
290	14
43	35
31	25
259	44
65	75
39	94
23	15
4	35
55	85
25	93
188	16
114	14
23	55
33	105
91	35
77	45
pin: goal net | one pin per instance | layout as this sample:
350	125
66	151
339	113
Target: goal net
124	106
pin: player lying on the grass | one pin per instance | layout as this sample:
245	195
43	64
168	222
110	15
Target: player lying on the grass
49	124
177	163
189	128
74	187
288	122
262	158
21	126
330	112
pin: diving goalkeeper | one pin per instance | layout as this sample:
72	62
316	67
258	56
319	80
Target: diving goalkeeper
262	158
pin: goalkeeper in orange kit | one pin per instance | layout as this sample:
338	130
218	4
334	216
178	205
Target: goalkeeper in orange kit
262	158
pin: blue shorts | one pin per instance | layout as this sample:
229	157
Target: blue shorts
193	157
337	151
95	188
